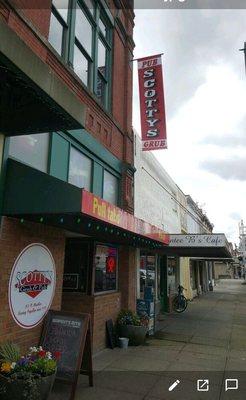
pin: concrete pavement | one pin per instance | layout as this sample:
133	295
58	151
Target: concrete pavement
207	341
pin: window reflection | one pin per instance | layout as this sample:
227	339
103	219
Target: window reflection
80	65
101	57
56	34
83	30
102	26
80	169
62	8
100	89
110	188
31	149
105	268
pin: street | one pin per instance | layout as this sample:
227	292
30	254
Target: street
205	342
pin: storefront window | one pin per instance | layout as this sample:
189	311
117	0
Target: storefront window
171	274
76	266
106	260
110	188
80	169
147	273
31	149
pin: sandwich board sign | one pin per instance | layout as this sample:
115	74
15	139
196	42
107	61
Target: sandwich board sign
70	334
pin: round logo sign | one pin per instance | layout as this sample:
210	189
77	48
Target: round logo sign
32	285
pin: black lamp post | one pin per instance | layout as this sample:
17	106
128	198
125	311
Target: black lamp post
244	50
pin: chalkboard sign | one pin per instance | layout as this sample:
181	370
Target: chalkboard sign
67	333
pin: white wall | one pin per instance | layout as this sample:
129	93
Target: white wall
155	192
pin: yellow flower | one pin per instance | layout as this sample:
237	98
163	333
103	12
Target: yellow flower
6	367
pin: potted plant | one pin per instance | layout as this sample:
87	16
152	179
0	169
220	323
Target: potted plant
29	376
131	326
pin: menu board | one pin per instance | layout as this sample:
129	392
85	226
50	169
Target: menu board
67	333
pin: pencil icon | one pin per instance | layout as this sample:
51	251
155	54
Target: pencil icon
173	386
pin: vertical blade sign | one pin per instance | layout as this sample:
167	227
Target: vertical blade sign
152	107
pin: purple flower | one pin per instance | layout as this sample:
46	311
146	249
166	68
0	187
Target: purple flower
23	361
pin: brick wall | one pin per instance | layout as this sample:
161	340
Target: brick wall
106	307
101	307
32	26
14	237
128	277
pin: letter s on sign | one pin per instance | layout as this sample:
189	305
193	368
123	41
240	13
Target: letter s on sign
152	133
148	73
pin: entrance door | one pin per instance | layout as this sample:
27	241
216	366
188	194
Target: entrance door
76	267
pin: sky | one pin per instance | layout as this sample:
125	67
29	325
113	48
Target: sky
205	97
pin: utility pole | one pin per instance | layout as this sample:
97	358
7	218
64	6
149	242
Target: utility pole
244	50
242	246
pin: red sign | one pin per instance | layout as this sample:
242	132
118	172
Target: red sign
152	106
110	265
33	283
107	212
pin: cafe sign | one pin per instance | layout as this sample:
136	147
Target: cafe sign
32	285
104	211
197	240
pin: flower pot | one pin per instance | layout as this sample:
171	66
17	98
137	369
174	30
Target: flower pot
123	342
135	334
20	389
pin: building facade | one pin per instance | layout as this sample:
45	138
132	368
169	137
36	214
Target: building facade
159	199
68	235
201	270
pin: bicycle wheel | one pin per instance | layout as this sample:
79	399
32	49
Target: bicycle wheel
180	303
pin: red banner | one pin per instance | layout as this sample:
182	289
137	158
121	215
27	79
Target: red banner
102	210
152	106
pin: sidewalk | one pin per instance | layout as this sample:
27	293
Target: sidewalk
208	341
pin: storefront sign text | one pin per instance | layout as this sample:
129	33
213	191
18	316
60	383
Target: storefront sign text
32	285
152	107
104	211
196	240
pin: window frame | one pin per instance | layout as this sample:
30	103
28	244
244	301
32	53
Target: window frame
94	293
65	29
70	40
84	155
118	183
14	157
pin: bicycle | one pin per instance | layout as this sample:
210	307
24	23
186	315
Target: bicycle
180	302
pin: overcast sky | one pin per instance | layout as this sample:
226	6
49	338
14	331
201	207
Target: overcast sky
205	96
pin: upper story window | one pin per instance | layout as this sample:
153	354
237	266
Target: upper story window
59	25
80	32
31	149
110	188
80	169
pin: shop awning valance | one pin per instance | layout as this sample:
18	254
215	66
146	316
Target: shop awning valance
199	245
33	195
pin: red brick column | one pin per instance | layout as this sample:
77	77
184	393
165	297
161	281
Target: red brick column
127	277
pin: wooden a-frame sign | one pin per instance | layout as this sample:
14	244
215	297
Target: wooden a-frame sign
70	334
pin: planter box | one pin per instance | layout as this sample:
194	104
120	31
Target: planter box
19	390
135	334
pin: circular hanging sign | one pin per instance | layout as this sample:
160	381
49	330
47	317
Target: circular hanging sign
32	285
